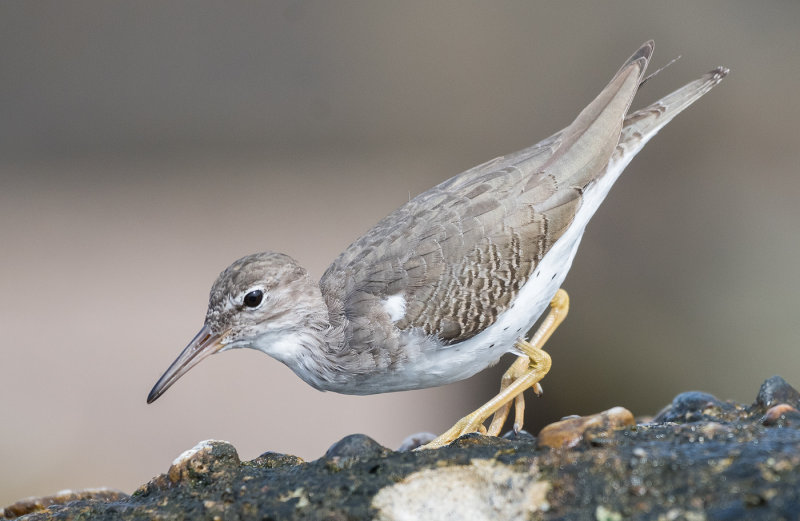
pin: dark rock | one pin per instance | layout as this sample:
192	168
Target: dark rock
476	439
353	448
776	390
39	504
690	407
733	462
274	460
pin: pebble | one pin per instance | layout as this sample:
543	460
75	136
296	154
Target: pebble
522	435
688	407
274	460
353	448
415	441
776	390
781	415
203	458
568	433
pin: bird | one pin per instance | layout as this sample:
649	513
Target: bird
444	286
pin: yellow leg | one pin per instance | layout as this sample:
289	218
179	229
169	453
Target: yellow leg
519	378
559	307
516	370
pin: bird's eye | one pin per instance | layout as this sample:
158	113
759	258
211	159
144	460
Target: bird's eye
253	299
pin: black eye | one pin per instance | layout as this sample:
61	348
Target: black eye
253	299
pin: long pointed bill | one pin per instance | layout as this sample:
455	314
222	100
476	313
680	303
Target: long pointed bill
206	343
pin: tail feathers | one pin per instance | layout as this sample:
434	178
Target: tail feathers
641	125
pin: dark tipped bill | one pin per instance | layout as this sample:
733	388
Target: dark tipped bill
206	343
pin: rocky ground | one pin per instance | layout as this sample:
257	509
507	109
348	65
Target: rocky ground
698	459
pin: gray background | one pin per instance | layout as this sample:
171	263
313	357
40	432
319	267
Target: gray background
146	145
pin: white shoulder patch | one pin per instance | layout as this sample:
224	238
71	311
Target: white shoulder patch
395	306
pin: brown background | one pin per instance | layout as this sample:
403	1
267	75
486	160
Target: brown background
146	145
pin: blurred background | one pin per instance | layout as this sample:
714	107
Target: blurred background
146	145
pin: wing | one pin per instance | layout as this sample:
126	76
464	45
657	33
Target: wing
460	252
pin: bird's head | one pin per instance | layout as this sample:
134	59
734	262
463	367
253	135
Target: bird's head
259	301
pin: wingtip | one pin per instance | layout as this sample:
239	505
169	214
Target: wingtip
641	58
645	51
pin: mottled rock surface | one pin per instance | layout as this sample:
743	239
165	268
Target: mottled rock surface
699	459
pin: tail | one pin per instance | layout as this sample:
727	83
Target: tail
637	129
643	124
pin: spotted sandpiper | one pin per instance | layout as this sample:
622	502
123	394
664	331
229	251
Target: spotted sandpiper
446	284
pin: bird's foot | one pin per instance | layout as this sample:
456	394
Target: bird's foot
517	369
536	367
472	422
521	367
524	373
